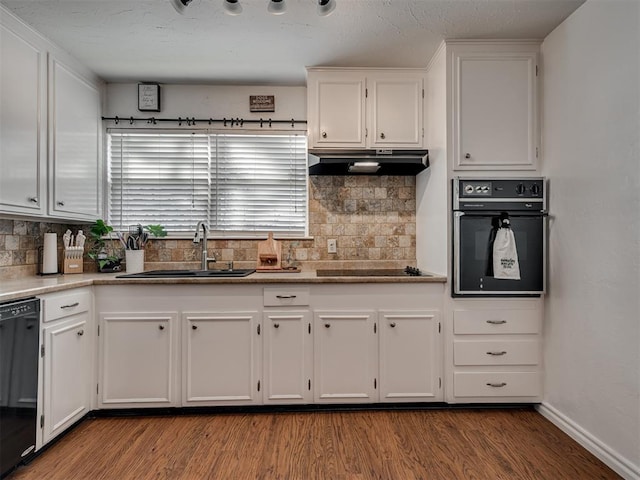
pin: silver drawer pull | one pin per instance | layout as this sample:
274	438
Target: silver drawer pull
284	297
496	354
497	385
496	322
80	333
71	305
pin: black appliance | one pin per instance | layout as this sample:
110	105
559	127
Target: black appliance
367	162
480	206
373	272
19	343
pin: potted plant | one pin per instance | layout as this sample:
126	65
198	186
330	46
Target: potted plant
103	250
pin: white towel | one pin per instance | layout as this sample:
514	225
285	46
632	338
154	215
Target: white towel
505	255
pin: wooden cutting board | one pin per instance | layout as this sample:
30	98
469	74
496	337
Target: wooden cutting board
269	254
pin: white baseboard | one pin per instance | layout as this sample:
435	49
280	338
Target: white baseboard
611	458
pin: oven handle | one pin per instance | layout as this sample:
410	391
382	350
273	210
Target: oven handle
494	213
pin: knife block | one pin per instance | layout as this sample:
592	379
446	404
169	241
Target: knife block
72	265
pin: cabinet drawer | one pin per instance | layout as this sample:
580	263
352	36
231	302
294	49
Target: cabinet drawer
63	305
511	352
496	321
282	297
496	384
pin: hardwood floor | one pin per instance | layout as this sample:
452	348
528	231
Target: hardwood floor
350	445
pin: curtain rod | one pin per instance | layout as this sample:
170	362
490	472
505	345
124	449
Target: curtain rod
192	121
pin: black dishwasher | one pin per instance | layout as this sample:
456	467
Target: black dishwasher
19	343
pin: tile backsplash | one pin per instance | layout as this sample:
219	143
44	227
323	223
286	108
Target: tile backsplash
372	219
19	244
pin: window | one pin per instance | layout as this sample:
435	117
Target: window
241	184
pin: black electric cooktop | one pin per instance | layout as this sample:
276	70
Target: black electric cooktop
373	272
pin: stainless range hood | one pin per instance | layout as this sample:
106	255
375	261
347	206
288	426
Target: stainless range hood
367	162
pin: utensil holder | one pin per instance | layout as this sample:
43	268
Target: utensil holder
134	261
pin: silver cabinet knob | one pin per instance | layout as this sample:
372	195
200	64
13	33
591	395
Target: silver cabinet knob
80	333
324	134
382	136
467	155
392	324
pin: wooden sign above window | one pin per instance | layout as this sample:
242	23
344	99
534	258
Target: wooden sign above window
262	103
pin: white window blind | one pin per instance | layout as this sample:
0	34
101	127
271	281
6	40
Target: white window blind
241	184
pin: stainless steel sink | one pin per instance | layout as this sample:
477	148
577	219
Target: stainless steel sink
237	272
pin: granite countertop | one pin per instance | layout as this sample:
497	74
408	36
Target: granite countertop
39	285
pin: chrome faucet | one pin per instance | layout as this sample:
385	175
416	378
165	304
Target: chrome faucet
205	259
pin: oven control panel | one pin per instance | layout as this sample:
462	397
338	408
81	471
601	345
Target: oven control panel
503	188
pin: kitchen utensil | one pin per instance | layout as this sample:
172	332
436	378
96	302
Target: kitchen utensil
66	239
132	243
269	254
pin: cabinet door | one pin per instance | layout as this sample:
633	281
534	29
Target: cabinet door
221	358
410	366
74	123
396	111
67	373
138	359
495	111
336	110
345	357
23	120
288	357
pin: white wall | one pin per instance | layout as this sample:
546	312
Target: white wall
431	185
208	101
591	154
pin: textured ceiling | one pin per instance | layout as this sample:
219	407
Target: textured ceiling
146	40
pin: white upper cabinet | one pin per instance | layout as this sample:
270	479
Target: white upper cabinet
22	125
50	129
336	109
396	110
494	106
365	108
74	125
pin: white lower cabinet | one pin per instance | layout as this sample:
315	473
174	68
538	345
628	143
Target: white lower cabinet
66	361
410	355
345	357
220	358
287	357
138	364
496	352
67	374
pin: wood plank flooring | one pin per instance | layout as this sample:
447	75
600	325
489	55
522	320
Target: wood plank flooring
349	445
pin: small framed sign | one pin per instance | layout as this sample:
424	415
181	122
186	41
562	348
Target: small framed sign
148	97
262	103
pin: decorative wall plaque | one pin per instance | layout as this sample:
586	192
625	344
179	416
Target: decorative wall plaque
148	97
262	103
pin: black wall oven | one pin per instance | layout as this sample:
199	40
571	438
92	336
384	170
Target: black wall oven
480	207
